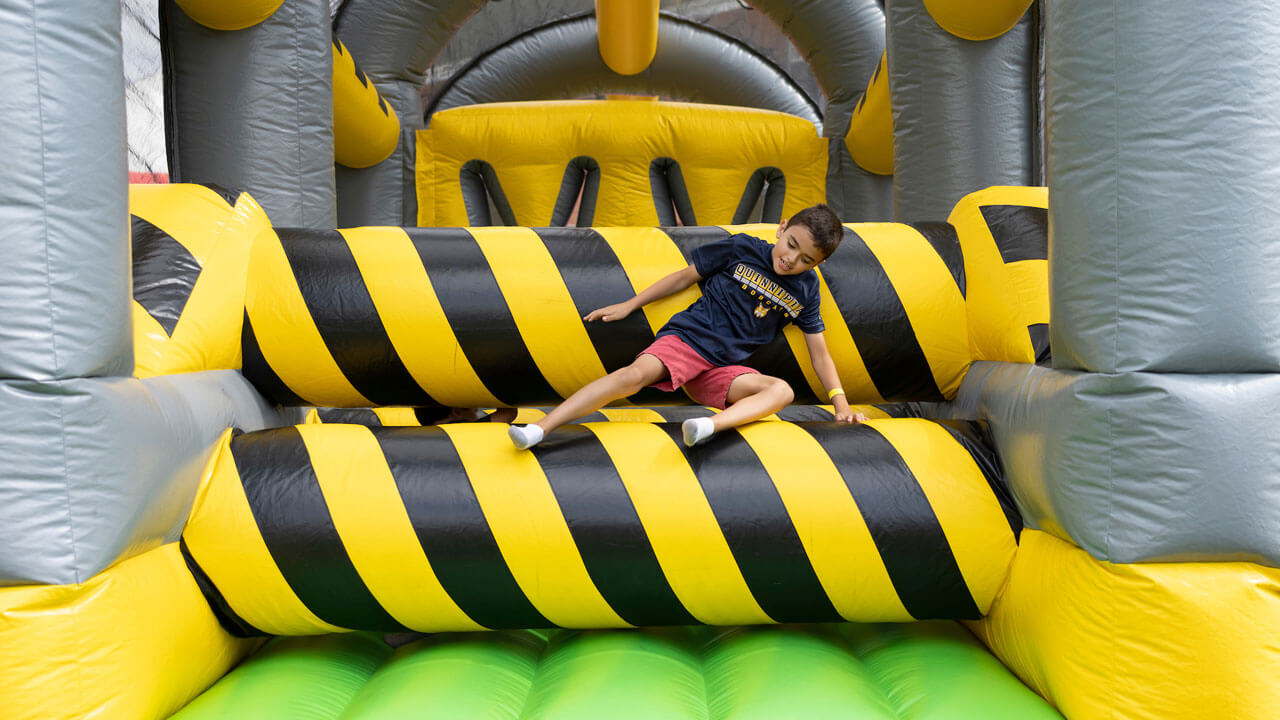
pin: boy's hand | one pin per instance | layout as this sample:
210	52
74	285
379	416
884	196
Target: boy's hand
844	413
611	313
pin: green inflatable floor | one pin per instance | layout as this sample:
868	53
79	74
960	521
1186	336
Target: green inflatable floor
921	671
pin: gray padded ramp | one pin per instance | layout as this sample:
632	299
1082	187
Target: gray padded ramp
1165	169
252	109
562	61
1138	466
97	469
64	278
962	110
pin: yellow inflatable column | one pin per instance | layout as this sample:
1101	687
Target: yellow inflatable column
870	136
977	19
365	129
1149	641
190	255
229	14
628	34
134	642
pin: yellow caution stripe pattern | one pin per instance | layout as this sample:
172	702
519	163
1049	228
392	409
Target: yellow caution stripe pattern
319	527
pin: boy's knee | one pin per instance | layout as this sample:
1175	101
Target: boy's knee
783	391
631	379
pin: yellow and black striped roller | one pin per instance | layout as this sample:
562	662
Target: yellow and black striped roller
190	255
1004	233
316	528
489	317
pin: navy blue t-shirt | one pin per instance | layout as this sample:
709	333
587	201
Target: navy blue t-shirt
744	303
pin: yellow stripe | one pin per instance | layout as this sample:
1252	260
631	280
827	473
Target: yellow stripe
871	411
286	333
541	306
686	538
524	416
225	541
397	416
970	516
413	317
929	293
648	255
828	521
644	415
191	214
530	530
375	528
1030	279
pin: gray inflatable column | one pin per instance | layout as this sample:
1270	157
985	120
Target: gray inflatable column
1165	173
962	111
1155	439
252	109
64	279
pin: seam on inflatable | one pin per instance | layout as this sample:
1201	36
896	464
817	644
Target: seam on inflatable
53	336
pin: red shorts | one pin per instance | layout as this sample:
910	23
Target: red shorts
707	384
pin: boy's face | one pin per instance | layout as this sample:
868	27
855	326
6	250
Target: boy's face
795	252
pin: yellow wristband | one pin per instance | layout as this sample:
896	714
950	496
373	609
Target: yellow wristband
832	395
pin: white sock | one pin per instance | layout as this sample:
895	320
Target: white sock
697	430
525	436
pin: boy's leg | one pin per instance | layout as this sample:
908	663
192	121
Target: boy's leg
643	372
751	397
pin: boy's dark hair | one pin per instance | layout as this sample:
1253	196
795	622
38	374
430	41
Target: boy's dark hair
824	224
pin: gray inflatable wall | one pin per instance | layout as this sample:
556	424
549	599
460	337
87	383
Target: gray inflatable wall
963	112
97	465
1155	438
253	109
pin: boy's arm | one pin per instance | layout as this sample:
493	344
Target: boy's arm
826	370
667	286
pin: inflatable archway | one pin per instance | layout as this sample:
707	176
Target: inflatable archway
1089	491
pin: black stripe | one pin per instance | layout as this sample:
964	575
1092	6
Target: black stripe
680	413
453	530
232	196
481	320
1039	333
1020	232
945	242
229	619
975	438
290	511
259	372
901	410
343	311
164	273
596	416
776	358
903	526
878	322
607	530
758	529
688	238
349	416
595	278
805	413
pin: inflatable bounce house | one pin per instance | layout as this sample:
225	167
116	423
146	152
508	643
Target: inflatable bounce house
224	492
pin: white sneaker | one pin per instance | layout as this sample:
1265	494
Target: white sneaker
525	436
697	430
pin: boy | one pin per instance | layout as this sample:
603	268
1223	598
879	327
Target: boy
752	289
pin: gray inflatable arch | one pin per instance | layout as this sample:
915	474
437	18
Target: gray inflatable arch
398	40
561	61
